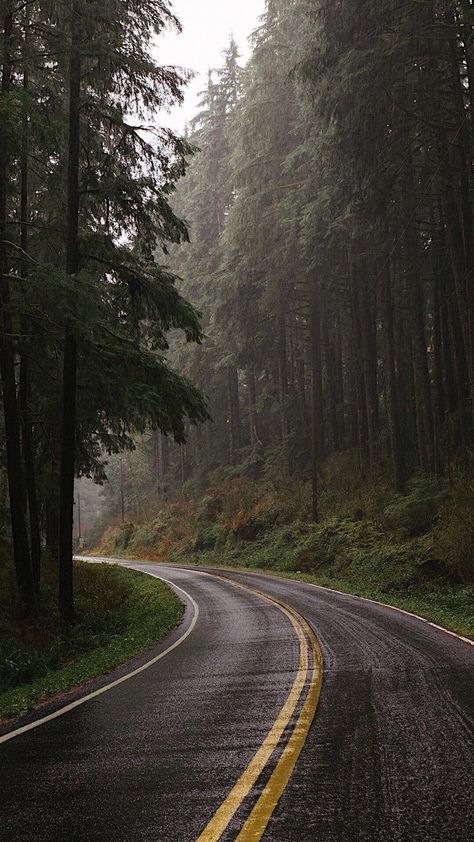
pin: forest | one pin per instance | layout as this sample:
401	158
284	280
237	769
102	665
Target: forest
267	323
329	207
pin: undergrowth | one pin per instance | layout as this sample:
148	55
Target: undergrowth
120	612
417	547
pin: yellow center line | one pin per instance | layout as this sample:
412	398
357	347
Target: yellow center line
255	826
285	765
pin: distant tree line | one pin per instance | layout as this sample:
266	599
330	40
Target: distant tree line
332	254
85	222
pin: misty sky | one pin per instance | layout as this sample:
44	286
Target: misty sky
207	27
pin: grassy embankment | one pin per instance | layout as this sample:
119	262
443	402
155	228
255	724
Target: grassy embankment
415	552
119	614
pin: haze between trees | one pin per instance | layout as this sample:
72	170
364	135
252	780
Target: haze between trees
329	209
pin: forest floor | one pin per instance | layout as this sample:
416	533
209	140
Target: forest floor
120	613
415	552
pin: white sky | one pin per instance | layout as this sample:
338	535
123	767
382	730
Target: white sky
207	28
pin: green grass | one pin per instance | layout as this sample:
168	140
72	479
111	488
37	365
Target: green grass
365	573
450	607
434	598
415	551
120	613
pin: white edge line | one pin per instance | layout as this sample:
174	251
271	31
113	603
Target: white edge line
67	708
385	605
271	575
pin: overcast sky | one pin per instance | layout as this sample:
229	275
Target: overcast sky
207	27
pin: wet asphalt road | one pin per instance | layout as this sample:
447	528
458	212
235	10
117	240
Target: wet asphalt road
389	755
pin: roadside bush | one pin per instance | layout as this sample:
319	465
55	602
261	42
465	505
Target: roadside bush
119	613
416	513
350	491
123	536
207	537
454	534
211	507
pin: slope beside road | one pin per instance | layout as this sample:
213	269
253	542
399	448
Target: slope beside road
169	754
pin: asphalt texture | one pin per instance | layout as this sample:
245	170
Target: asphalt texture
389	755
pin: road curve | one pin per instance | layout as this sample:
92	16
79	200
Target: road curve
390	754
155	757
388	757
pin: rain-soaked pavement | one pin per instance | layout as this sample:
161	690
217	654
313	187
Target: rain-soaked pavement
389	755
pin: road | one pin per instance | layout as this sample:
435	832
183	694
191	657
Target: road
201	744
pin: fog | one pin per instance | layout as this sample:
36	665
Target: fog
207	28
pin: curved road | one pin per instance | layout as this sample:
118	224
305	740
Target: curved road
388	756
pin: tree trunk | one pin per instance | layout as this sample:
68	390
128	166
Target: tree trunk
234	413
68	426
283	384
358	366
423	399
52	502
25	391
330	379
339	380
464	194
437	263
393	408
253	415
16	487
317	415
458	370
30	470
368	311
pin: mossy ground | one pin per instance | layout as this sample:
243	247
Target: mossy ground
120	613
414	551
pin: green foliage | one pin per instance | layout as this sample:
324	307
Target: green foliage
414	552
208	537
416	513
124	535
453	536
121	613
115	303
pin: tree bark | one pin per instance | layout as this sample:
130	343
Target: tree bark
16	485
393	408
331	379
68	426
25	390
358	366
317	430
253	415
234	413
424	408
283	384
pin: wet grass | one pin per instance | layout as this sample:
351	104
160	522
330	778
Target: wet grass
414	552
120	613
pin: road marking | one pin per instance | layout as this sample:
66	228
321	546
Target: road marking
270	575
256	824
383	605
266	804
67	708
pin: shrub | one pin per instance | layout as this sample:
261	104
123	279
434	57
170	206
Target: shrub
123	536
454	534
416	513
207	537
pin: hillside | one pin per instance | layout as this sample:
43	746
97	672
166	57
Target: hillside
415	551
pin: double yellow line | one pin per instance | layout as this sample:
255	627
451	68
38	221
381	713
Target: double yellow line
310	664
